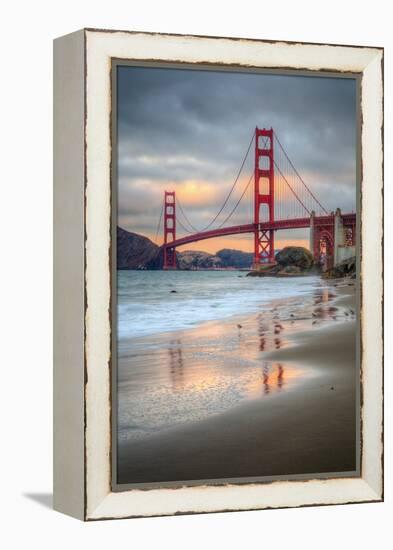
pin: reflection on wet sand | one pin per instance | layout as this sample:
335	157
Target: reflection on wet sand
266	379
244	371
280	376
176	367
268	337
197	362
324	311
217	366
225	394
262	328
273	377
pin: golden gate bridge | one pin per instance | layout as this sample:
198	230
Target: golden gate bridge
281	200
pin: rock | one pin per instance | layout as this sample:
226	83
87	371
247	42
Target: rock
347	268
137	252
173	291
290	261
289	270
295	256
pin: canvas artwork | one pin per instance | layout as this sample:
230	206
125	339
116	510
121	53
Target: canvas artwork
218	274
236	312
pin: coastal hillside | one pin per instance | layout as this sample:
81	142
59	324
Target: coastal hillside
195	259
135	251
224	259
235	258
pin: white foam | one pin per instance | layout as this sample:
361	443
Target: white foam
146	305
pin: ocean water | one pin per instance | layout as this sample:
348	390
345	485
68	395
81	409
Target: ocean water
147	304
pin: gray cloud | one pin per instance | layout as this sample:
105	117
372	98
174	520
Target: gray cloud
176	125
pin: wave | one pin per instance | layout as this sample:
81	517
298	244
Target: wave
153	302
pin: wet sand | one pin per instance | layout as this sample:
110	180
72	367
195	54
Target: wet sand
298	414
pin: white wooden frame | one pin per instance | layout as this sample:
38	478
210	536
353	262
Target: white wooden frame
82	383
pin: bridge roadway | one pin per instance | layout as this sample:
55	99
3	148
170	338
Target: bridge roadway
295	223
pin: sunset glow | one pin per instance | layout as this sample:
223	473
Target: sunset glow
187	131
244	243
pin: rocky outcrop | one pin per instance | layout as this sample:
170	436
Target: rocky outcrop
295	256
347	268
291	261
137	252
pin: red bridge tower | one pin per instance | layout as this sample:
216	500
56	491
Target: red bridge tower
169	229
263	194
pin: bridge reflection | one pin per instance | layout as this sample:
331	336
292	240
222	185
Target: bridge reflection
176	364
224	357
272	377
266	339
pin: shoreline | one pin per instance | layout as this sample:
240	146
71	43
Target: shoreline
298	412
187	302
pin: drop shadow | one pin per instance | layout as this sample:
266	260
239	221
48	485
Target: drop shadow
45	499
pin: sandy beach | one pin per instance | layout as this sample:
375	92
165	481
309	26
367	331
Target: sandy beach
271	393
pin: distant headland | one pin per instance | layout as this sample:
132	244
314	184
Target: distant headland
135	251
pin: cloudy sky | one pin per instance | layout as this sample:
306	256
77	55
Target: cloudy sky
188	131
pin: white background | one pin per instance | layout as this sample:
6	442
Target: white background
28	28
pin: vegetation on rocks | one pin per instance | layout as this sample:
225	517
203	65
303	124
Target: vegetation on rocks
291	261
295	256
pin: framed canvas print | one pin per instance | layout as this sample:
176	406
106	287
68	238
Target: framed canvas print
218	274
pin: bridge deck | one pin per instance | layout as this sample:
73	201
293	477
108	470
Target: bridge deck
295	223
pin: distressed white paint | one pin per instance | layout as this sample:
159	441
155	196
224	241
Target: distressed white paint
101	47
371	268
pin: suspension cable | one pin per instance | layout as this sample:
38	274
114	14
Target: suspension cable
290	187
238	202
233	186
194	229
183	227
298	175
178	203
159	221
